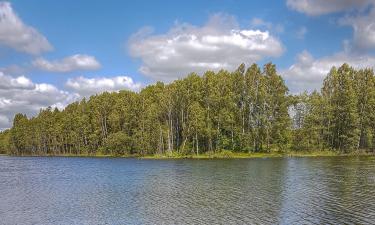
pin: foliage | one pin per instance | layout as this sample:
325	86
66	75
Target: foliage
339	118
248	110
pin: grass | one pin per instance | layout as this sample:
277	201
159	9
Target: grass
225	154
212	155
243	155
97	155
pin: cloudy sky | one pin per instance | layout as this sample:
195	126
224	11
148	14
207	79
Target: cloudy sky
56	52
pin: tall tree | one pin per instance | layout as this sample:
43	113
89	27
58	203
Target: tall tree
342	108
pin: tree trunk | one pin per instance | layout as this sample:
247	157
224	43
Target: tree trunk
196	139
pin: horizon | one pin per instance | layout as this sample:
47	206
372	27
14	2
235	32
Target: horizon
51	59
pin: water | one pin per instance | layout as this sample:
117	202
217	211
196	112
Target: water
332	190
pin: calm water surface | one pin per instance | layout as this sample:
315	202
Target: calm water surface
333	190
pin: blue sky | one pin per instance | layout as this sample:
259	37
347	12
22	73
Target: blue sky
55	52
103	29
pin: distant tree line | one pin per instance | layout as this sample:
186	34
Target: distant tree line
247	110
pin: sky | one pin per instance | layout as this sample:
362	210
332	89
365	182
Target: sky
55	52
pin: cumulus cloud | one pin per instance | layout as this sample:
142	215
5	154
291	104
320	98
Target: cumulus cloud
4	122
21	95
87	86
360	14
21	82
68	64
307	73
13	69
185	48
260	23
15	34
364	29
321	7
301	32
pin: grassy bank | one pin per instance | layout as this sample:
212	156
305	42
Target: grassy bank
217	155
242	155
76	155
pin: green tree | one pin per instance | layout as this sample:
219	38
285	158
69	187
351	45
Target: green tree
118	143
342	111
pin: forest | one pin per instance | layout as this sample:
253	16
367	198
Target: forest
247	110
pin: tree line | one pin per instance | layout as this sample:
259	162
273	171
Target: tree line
247	110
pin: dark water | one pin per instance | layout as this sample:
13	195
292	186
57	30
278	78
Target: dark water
337	190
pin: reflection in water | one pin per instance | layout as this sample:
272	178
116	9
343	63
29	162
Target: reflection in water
334	190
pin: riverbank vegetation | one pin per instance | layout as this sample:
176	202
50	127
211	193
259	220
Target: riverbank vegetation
247	111
226	154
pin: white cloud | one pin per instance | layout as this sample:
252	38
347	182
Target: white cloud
301	32
15	34
4	122
321	7
21	82
68	64
185	48
21	95
364	29
13	69
260	23
87	86
308	73
360	14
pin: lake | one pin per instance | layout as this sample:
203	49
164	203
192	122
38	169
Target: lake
59	190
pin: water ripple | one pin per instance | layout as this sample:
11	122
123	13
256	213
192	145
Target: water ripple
338	190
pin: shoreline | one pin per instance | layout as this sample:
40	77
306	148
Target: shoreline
217	155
